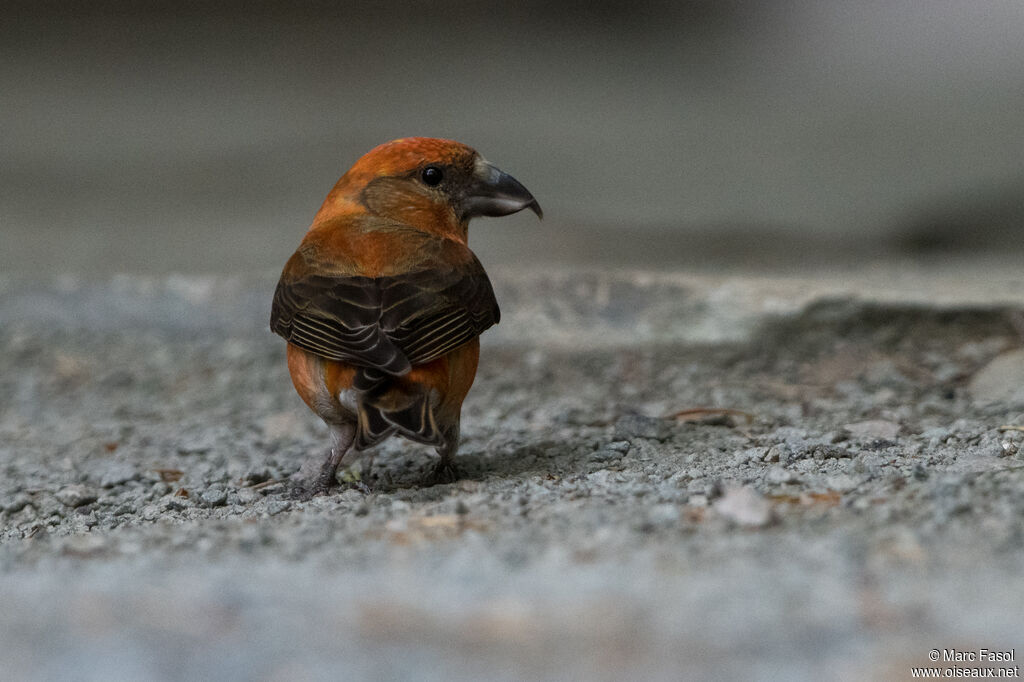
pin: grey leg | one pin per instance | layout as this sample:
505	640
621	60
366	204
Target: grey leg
446	471
316	476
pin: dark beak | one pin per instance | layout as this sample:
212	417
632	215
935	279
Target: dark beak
495	193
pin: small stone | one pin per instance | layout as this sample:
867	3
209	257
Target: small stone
842	483
350	496
820	452
17	503
991	449
779	474
773	454
663	514
277	506
175	503
937	434
745	507
604	455
196	445
1001	380
619	446
116	473
248	496
126	508
214	497
873	428
257	476
750	455
639	426
75	496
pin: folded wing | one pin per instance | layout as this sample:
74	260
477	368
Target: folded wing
389	323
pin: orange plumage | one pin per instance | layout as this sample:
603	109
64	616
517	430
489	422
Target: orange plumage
383	303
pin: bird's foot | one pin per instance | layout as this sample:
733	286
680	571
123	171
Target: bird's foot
306	487
315	477
444	472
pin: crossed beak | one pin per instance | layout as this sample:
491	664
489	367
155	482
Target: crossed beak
495	193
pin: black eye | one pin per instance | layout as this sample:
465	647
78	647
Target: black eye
432	176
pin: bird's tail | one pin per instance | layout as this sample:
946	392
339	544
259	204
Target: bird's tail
378	418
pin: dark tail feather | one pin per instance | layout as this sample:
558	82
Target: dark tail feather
415	422
371	427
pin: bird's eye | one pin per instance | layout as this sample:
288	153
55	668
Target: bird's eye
432	176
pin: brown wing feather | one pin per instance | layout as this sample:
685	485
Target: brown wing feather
386	323
336	318
430	313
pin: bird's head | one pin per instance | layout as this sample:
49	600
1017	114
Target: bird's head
432	184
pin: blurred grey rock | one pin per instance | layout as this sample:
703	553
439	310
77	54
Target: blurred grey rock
17	503
214	497
639	426
75	495
779	474
275	507
604	455
744	506
841	482
115	473
1001	380
873	428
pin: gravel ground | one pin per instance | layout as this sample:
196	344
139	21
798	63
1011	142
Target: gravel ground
856	501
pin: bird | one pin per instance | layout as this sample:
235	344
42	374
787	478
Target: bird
383	303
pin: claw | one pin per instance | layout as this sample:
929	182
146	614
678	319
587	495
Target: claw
444	472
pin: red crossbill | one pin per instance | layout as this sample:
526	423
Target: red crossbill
383	303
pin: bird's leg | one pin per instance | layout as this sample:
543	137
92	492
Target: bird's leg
446	471
316	476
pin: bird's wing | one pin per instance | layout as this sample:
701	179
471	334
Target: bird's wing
386	323
432	312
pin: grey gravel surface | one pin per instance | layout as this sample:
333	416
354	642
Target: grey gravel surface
856	500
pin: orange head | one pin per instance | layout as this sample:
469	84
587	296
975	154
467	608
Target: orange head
427	183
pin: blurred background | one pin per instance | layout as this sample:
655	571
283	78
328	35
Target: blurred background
160	136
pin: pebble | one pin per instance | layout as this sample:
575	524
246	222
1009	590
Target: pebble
248	496
639	426
604	455
75	495
1001	380
873	428
115	473
744	506
174	503
277	506
779	474
663	514
213	497
17	503
196	445
842	483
